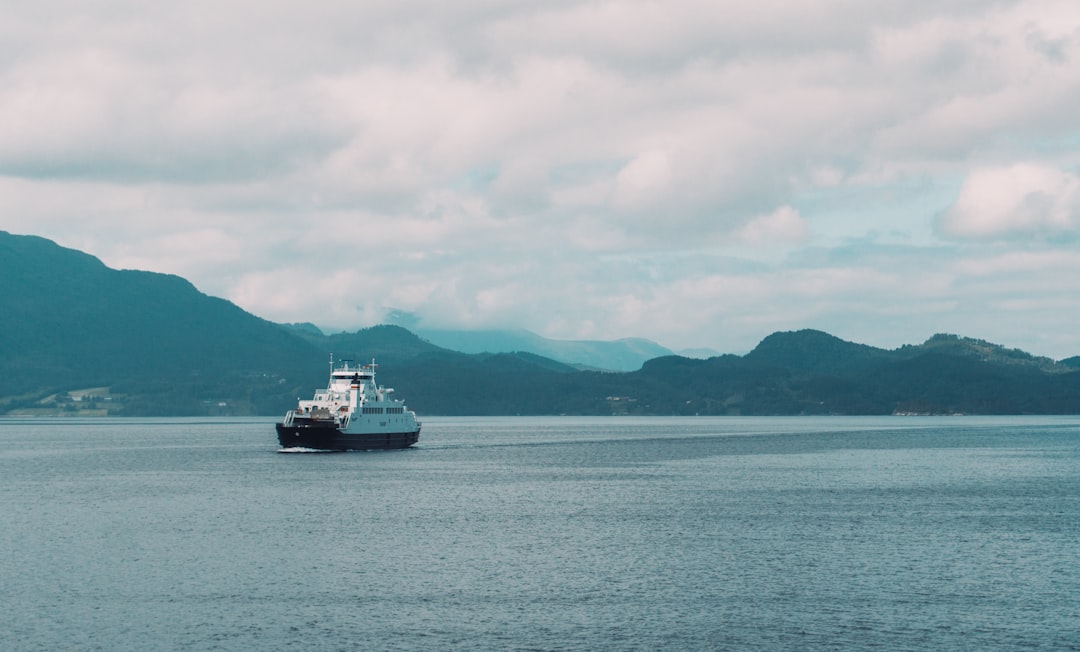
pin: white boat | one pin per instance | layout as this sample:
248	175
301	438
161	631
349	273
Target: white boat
352	413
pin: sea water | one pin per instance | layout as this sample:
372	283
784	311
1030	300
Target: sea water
901	533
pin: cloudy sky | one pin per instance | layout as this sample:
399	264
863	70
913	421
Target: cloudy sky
700	173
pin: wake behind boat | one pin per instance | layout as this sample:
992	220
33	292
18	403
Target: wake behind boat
352	413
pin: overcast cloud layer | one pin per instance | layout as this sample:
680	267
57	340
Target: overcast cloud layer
700	173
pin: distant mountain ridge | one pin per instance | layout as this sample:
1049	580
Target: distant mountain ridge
811	372
619	355
814	350
79	338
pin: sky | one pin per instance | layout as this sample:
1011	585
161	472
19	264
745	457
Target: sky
700	173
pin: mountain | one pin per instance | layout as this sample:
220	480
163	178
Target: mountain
76	334
77	337
71	322
966	347
810	372
814	351
391	345
618	355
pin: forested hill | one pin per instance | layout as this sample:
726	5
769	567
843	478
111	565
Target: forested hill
77	337
810	372
71	323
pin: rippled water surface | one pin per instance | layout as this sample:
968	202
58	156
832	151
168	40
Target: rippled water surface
544	534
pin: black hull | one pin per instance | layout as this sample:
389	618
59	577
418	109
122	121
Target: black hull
331	439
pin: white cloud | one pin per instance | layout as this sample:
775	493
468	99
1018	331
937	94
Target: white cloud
1025	199
782	226
1059	268
643	182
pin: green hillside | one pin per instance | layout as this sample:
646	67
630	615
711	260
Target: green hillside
77	337
71	322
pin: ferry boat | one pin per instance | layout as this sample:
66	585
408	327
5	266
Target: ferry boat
352	413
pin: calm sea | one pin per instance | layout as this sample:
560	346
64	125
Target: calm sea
895	533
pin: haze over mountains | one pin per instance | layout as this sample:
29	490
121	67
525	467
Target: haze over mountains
77	337
619	355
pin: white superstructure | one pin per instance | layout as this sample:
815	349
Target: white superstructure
355	403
